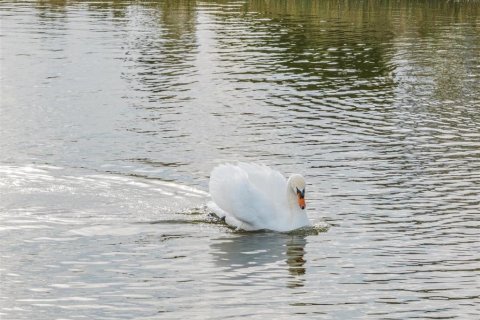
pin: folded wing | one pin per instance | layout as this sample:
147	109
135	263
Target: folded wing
247	192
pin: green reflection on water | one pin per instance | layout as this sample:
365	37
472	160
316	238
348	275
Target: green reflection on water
349	46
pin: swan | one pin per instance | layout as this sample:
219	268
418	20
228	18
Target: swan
253	197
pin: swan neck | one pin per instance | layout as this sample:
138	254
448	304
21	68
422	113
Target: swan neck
291	196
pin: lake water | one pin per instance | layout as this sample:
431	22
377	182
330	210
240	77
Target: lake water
113	113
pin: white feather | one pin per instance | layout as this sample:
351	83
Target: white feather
253	197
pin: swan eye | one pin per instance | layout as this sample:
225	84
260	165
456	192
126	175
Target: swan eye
301	194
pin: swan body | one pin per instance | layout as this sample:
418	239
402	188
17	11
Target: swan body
253	197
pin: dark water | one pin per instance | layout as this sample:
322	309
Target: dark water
113	113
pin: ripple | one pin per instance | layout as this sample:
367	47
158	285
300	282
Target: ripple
108	143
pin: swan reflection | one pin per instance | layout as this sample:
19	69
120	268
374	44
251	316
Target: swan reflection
261	255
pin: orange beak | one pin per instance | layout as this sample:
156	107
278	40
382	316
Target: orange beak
301	201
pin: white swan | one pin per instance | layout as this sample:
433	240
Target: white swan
253	197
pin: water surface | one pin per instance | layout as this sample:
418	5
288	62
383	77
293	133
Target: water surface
112	115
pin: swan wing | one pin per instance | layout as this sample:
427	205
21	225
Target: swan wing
269	182
243	194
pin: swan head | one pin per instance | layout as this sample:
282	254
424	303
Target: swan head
296	184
